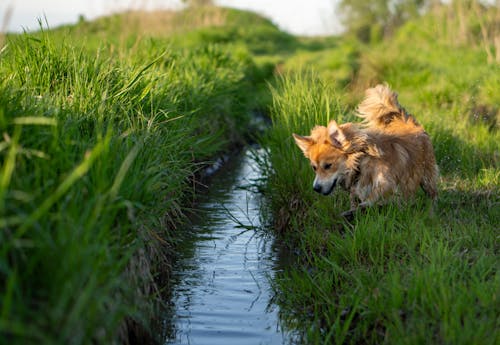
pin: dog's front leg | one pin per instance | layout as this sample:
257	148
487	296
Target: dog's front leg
368	202
353	198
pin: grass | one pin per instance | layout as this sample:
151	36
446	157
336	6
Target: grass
99	161
396	274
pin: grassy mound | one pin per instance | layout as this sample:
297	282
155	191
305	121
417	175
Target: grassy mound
190	27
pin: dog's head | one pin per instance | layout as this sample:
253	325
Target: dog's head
331	151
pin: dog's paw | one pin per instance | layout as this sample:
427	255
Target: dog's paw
348	215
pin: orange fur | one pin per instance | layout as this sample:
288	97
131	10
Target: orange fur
389	154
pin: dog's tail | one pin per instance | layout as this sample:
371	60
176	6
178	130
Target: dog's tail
380	108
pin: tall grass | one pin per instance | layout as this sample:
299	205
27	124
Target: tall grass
98	160
396	274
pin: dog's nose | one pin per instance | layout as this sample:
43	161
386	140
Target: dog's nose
317	188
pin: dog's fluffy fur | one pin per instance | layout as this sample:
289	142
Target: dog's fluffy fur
389	153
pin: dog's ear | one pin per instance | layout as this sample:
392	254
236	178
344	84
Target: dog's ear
304	143
336	135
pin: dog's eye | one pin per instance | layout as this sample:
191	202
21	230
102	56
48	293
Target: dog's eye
314	167
327	166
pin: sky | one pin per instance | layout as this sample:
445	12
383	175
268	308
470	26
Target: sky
300	17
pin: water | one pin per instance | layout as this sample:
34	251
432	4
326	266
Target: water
221	292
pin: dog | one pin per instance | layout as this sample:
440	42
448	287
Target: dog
387	154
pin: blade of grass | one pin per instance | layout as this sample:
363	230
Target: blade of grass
74	176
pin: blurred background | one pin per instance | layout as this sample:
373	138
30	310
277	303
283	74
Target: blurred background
312	17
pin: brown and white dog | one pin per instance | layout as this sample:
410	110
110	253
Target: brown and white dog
388	154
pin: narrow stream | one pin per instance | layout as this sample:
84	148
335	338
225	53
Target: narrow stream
221	292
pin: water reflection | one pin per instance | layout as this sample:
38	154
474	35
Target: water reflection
221	293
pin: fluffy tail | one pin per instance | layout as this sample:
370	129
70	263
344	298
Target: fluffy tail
380	108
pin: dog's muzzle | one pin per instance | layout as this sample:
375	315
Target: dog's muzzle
325	190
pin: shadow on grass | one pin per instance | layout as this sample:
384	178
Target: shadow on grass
457	157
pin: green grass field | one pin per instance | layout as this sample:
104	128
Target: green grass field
107	125
396	274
